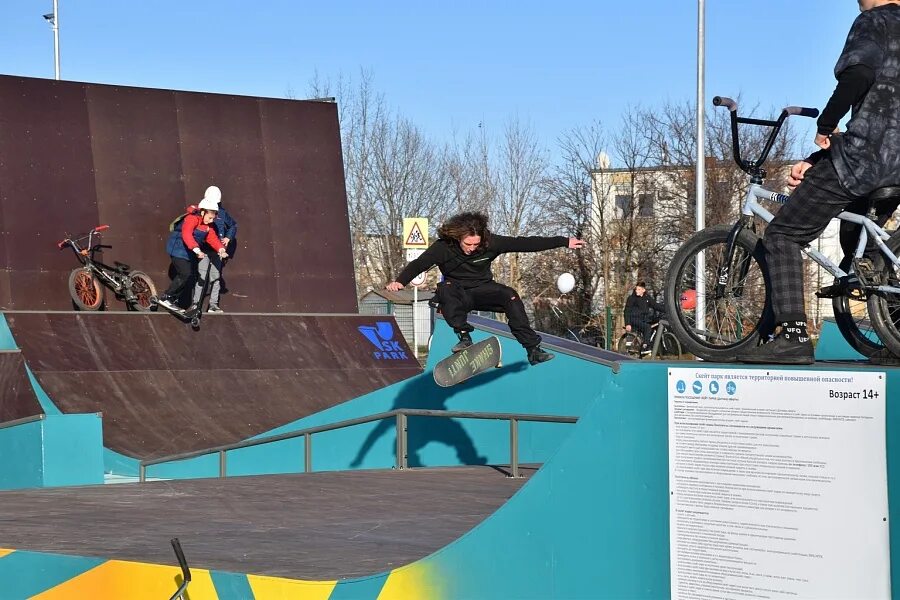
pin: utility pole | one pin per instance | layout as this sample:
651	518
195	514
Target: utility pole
701	163
53	19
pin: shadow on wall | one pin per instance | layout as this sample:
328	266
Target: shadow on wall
422	393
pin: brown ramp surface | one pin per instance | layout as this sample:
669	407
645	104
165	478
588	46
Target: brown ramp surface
164	388
318	526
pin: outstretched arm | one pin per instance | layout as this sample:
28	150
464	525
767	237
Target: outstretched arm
534	243
428	259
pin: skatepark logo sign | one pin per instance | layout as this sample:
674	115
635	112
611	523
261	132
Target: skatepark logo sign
382	337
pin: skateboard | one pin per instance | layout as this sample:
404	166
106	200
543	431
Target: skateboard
467	363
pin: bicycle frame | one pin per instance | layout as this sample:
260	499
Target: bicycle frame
112	277
751	208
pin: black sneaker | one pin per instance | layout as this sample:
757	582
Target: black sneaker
465	340
885	357
780	351
538	355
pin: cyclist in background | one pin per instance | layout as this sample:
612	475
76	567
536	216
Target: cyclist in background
639	309
849	166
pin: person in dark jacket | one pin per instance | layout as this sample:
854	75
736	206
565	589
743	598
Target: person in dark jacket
188	245
463	252
639	309
849	166
226	228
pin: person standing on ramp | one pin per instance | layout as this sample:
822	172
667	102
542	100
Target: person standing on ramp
463	252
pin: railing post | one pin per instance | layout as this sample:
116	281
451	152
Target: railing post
221	463
514	447
142	473
401	441
307	452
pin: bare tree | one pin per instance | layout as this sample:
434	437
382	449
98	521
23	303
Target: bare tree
521	195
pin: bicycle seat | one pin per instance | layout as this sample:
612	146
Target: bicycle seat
885	193
121	267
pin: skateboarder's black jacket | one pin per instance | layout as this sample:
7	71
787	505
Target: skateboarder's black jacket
474	269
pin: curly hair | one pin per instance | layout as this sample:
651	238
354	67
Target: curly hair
465	224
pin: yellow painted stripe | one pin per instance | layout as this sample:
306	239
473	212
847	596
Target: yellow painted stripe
4	552
135	581
417	580
274	588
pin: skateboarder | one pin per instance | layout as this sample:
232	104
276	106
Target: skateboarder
195	235
463	252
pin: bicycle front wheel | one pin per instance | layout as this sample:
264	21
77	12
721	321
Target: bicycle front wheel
884	308
85	289
733	320
143	289
668	345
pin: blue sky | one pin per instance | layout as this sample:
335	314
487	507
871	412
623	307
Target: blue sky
446	66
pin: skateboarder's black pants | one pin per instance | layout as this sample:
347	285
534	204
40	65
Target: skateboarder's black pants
456	302
184	271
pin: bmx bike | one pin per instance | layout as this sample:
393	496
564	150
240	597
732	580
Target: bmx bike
662	342
725	307
86	283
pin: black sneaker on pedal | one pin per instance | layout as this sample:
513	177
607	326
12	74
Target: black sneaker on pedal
840	287
465	340
537	355
780	351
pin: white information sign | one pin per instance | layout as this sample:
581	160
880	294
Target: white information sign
778	484
414	253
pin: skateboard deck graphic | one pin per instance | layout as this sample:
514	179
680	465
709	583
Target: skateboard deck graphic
467	363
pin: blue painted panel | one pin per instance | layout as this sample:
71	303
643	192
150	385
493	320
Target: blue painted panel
231	586
73	449
25	574
22	464
366	587
833	346
7	341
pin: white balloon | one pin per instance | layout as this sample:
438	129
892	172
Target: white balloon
565	283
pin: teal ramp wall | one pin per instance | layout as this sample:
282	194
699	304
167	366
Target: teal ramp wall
593	522
832	345
56	450
563	386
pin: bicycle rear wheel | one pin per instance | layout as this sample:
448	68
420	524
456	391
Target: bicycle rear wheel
85	289
143	289
733	321
851	316
884	308
630	344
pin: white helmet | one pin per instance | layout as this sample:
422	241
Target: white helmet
208	204
213	193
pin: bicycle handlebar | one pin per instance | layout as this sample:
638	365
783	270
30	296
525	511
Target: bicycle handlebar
753	167
726	102
802	111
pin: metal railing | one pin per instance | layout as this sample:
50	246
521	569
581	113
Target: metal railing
23	421
400	415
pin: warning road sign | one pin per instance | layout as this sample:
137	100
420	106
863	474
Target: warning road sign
415	232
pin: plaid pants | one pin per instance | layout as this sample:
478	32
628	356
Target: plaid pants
815	202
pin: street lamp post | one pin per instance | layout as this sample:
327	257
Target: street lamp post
53	19
701	164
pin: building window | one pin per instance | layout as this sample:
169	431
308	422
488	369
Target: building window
623	205
645	205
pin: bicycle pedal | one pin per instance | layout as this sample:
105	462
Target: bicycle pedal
865	271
